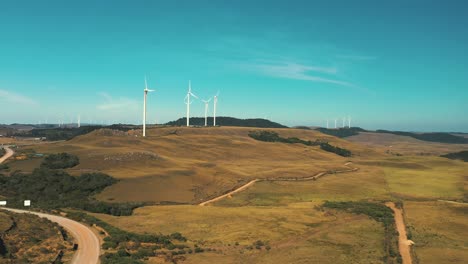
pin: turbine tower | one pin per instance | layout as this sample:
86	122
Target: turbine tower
79	121
349	122
344	118
327	123
215	102
187	101
145	92
206	110
335	123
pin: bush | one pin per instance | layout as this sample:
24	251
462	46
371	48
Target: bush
60	161
339	151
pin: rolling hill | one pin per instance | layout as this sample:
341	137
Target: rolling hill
188	165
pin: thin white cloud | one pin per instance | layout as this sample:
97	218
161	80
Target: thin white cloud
16	98
297	71
122	103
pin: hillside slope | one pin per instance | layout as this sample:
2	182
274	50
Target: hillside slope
188	165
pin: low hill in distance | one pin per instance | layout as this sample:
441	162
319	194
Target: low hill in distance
440	137
227	121
462	155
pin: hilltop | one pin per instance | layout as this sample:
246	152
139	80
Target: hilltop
188	165
227	121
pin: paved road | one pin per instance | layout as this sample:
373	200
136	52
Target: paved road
88	243
8	154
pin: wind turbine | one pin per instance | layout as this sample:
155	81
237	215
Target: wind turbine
327	123
145	91
344	118
349	122
215	102
187	101
335	123
206	110
79	121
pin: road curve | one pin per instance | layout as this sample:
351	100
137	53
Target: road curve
8	154
403	242
88	243
252	182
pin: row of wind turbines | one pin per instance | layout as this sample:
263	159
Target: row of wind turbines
187	101
344	122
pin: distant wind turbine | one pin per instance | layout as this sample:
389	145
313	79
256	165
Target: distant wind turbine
327	123
215	102
335	123
79	121
187	101
206	110
344	118
349	122
145	92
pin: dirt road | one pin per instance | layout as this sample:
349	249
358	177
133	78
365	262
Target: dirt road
88	243
252	182
8	154
403	242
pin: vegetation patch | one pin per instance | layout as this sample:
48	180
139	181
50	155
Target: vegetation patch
128	247
26	238
462	155
270	136
60	161
227	121
341	132
51	189
379	213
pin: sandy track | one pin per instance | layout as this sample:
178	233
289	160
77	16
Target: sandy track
8	154
88	243
403	242
252	182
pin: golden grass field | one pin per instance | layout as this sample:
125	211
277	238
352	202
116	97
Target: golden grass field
189	165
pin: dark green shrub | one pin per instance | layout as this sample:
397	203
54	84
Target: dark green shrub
60	161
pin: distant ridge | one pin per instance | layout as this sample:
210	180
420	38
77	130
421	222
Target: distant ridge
431	137
227	121
341	132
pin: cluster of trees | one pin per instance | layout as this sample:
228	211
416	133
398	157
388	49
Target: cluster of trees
60	161
431	137
128	244
227	121
337	150
270	136
379	213
341	132
462	155
52	189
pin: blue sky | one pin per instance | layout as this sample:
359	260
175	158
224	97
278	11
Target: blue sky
387	64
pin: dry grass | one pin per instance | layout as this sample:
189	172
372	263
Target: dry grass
439	230
404	144
188	165
296	233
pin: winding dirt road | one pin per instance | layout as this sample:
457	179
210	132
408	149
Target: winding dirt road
252	182
88	243
403	242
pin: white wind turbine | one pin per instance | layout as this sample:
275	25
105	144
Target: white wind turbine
215	102
187	101
344	118
206	110
79	121
335	123
327	123
145	91
349	122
